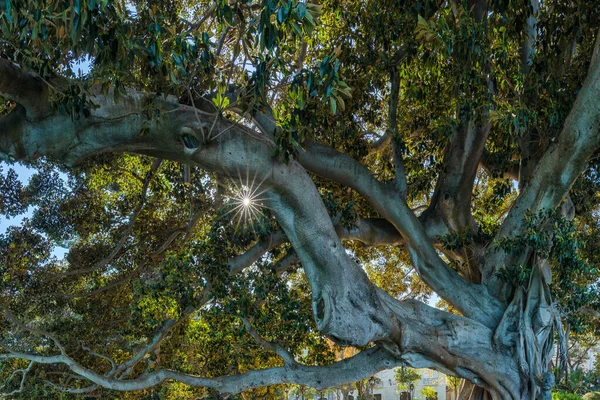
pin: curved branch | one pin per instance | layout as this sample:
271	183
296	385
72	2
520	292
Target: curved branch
102	356
380	144
24	88
287	357
286	262
23	373
129	227
15	321
361	366
471	299
369	231
242	261
124	369
560	166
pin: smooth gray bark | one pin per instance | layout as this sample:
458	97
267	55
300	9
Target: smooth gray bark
499	344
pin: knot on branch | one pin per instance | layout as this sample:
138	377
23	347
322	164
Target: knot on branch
352	318
193	137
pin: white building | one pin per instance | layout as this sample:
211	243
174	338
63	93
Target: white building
388	388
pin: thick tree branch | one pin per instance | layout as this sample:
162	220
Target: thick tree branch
451	201
455	345
529	37
452	196
340	287
248	258
401	184
361	366
24	88
102	356
560	166
470	299
371	232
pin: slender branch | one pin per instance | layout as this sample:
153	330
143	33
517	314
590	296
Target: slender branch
242	261
23	373
125	368
287	357
93	353
286	263
121	243
380	144
15	321
361	366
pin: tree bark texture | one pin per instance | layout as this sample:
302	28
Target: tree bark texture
501	342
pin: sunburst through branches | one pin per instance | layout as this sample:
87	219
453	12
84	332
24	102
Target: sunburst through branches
247	201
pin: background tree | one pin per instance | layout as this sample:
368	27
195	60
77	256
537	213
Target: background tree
454	383
429	393
392	149
405	377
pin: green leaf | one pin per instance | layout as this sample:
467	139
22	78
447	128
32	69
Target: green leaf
301	10
7	10
281	15
297	29
332	105
310	19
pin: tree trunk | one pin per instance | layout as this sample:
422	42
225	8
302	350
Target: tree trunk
526	330
501	344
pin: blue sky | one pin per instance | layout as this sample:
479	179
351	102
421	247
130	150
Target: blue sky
24	174
81	67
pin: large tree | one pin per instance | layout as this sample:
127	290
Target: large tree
385	146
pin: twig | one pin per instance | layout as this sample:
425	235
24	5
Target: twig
112	363
288	358
13	320
121	243
24	373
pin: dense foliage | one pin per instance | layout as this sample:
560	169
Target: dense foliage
153	279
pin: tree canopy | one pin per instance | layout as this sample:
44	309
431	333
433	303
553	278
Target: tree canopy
238	182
